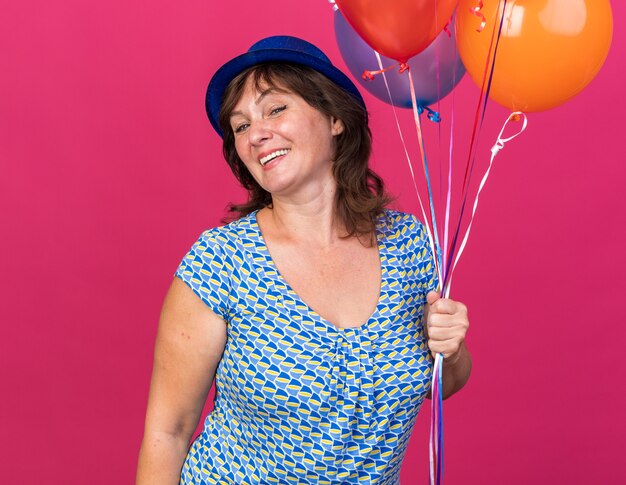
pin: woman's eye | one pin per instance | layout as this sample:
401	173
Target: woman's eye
278	109
240	128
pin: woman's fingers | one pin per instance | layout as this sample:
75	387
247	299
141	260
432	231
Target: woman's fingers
447	324
448	307
448	348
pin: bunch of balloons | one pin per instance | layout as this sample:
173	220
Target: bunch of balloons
527	55
536	54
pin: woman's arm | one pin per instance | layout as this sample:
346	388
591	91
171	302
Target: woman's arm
447	324
189	345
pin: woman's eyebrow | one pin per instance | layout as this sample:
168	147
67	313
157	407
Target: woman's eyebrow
270	90
263	94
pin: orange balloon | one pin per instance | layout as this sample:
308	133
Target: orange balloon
549	50
398	29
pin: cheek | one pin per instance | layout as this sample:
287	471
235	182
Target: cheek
244	155
250	167
238	146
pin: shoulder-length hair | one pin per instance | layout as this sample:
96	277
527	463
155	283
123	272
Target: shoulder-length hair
360	197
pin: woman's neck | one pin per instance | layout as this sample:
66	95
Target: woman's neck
313	221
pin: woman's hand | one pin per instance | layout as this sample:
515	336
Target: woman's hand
447	324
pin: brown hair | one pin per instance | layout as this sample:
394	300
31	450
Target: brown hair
361	196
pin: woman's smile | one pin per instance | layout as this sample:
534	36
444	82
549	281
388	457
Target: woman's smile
273	156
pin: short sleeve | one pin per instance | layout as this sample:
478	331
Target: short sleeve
206	270
430	266
414	236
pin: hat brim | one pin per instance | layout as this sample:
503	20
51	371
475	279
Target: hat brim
232	68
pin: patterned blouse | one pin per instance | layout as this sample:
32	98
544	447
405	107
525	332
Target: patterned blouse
298	400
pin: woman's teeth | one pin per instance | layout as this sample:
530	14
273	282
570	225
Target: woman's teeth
272	156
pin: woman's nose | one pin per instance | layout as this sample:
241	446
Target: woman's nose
259	132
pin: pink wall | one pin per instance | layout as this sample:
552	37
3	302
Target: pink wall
110	170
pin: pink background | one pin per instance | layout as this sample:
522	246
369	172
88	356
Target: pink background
110	170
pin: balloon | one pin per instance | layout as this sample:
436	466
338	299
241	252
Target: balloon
549	50
398	29
428	89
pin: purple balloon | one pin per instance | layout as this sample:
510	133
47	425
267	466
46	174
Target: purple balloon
360	57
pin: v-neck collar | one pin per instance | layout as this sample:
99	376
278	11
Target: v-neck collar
260	247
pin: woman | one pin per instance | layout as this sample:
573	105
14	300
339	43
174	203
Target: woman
308	308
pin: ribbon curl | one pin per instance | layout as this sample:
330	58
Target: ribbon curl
475	10
369	75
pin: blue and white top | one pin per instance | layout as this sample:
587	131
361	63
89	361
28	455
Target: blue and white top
298	400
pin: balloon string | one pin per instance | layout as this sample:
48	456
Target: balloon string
369	75
408	159
438	404
436	472
513	117
475	10
439	423
484	93
436	393
436	423
483	98
418	128
449	191
438	80
431	435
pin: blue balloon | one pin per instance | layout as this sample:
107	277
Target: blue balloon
430	85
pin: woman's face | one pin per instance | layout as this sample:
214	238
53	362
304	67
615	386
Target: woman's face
286	144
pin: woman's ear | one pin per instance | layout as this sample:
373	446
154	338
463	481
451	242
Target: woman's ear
336	126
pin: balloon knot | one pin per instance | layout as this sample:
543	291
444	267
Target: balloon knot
433	115
516	116
368	75
497	147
